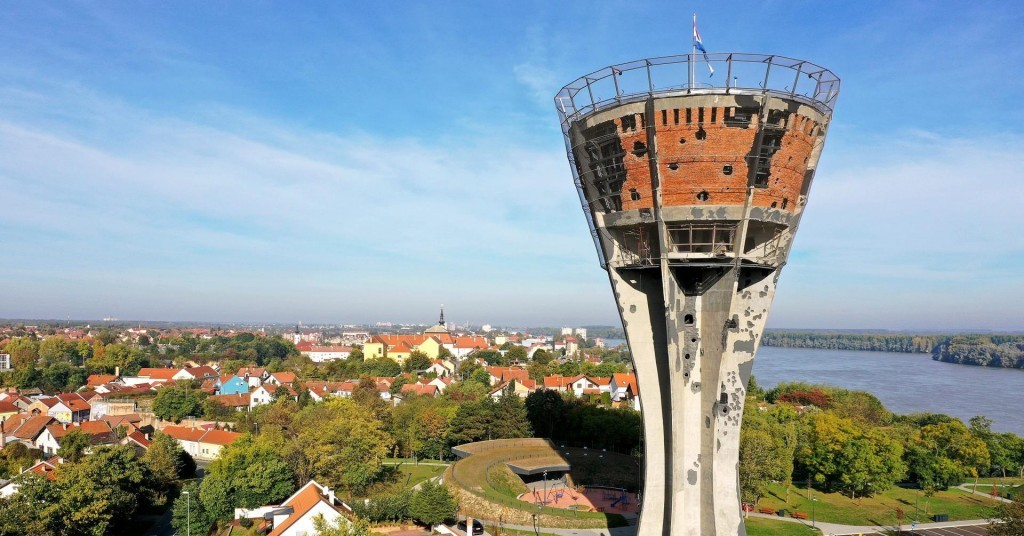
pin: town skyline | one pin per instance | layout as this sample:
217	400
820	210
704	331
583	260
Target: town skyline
338	166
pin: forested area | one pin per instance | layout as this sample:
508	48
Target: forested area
847	441
983	350
869	342
986	351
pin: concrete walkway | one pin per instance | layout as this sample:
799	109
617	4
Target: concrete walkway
965	487
835	529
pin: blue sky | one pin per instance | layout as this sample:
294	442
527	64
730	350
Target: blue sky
352	163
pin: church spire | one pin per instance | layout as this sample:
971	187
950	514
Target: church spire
441	320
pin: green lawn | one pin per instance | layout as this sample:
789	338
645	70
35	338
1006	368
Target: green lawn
412	475
767	527
880	509
396	461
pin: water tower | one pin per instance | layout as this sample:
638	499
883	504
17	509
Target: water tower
694	193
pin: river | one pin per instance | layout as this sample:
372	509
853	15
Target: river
905	383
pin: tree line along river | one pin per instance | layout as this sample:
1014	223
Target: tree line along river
904	382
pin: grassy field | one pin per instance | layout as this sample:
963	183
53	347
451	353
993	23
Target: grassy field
767	527
880	509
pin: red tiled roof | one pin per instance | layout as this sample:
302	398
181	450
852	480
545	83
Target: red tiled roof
158	373
420	389
202	372
284	377
31	427
74	402
184	434
219	437
7	407
232	401
139	438
96	380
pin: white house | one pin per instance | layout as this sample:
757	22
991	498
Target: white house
319	354
294	517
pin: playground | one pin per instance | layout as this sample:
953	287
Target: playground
590	499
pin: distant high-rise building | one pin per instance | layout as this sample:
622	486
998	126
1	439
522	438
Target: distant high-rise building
694	193
581	333
566	331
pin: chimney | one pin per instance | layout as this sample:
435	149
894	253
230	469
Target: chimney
117	372
65	426
330	495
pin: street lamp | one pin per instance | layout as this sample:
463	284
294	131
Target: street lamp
188	512
545	487
814	517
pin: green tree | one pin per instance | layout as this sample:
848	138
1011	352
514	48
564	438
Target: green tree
249	472
1009	520
432	504
54	350
101	493
340	444
24	352
481	376
840	455
416	361
167	460
516	354
340	527
73	445
175	402
758	464
945	454
189	516
546	410
542	356
34	509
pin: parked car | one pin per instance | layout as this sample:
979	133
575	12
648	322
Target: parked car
478	527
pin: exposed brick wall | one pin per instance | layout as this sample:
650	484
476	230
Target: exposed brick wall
693	155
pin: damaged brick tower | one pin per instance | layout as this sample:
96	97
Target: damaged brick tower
693	194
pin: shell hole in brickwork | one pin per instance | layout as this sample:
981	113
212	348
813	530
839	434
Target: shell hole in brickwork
634	195
693	339
673	166
785	202
639	149
701	134
703	195
775	204
687	356
688	320
683	140
727	169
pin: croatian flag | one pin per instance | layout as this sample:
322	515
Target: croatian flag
700	45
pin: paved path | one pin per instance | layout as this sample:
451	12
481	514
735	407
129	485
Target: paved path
965	487
835	529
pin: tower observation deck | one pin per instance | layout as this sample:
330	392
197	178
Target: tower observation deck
693	194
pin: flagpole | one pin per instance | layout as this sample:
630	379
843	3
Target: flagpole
693	51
